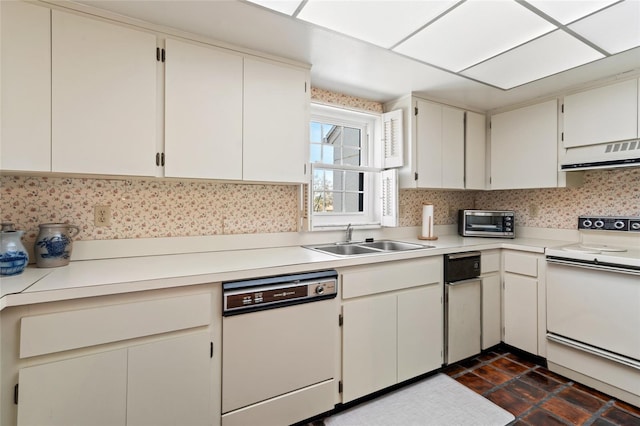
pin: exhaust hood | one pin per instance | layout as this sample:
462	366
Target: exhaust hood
601	156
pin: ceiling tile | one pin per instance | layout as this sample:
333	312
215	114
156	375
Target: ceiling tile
547	55
615	29
567	11
283	6
473	32
382	22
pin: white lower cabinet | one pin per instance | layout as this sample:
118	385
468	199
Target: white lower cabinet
89	389
491	298
117	362
392	324
523	301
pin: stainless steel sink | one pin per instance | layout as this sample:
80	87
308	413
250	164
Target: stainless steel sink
361	248
388	245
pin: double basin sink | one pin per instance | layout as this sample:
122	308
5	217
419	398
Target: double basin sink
360	248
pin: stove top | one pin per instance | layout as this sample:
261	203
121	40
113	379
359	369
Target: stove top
607	239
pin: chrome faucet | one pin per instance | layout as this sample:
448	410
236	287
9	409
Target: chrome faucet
348	234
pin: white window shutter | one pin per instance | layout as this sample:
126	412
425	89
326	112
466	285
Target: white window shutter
389	197
393	139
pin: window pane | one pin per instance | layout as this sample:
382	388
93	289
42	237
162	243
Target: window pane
351	156
318	180
328	154
316	153
316	132
353	181
351	137
318	202
353	203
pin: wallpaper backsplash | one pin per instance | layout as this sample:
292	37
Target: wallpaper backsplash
164	208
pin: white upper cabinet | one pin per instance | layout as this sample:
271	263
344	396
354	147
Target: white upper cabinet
434	145
275	122
475	131
103	97
605	114
440	145
524	147
203	112
25	47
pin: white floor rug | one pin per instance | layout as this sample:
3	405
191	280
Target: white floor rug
438	400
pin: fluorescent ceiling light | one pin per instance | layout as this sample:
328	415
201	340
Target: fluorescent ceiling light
382	22
473	32
547	55
615	29
567	11
283	6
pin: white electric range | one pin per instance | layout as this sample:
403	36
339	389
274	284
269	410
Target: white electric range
593	306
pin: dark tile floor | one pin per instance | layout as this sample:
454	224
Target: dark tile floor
537	396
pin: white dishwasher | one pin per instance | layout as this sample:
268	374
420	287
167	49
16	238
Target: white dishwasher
278	348
463	315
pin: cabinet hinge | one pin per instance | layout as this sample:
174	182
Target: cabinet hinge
415	111
15	394
211	350
340	386
562	136
489	124
415	176
489	180
340	320
562	108
305	87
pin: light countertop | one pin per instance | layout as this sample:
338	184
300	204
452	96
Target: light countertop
89	278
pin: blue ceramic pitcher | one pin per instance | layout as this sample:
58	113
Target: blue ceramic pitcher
13	255
53	245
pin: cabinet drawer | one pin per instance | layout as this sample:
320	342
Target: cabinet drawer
490	261
61	331
372	279
523	264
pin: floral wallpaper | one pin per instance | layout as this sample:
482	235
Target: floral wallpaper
163	208
148	208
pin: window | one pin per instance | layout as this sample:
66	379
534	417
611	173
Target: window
345	159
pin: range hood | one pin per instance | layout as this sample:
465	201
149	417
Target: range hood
601	156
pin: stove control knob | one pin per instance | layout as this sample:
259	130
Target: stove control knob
618	224
319	289
635	226
587	223
598	223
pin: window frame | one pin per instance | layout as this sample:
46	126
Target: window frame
370	126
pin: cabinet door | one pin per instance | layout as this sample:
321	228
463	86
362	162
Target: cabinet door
368	346
103	97
452	162
25	46
88	390
169	382
524	147
600	115
429	144
276	122
439	146
491	307
474	151
521	312
203	112
419	331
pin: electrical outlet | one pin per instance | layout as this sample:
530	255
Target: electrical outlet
102	215
533	210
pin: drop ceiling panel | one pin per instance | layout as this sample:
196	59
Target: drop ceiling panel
283	6
615	29
547	55
473	32
383	23
566	12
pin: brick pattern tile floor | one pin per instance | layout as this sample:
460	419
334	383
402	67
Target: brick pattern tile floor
537	396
